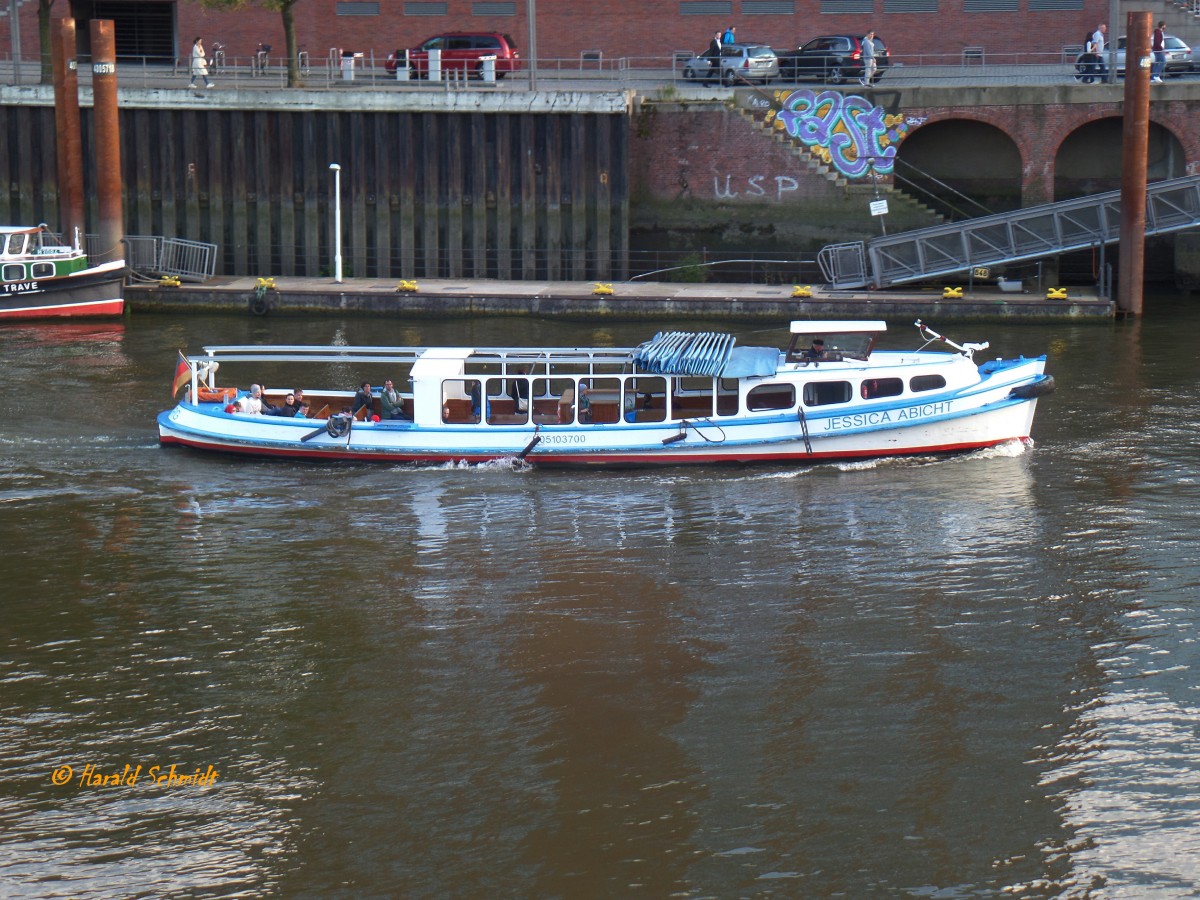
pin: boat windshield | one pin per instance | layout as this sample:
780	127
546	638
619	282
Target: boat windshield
856	345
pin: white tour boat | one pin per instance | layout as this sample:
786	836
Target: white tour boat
682	397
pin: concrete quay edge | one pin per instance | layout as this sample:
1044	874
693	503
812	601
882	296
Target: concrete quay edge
445	298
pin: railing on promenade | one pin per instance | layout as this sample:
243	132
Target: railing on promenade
591	71
544	264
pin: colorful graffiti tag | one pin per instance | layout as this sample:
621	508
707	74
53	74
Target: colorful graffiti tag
845	131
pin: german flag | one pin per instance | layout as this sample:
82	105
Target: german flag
183	374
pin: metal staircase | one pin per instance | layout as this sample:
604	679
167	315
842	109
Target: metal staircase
1025	234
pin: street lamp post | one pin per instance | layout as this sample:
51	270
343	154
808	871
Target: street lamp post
337	222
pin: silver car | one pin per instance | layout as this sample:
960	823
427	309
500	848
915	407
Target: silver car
739	63
1179	60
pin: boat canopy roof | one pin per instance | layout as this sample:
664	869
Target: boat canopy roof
824	326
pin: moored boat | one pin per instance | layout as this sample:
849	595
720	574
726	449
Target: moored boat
40	277
680	398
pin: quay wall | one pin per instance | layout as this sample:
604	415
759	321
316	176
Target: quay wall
563	185
510	192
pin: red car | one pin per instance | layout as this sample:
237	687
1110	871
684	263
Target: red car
462	51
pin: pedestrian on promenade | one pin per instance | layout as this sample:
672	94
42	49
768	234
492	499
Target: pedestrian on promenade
868	57
730	35
1159	46
1096	48
199	64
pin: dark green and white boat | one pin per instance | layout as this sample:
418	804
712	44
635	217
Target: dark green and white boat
41	277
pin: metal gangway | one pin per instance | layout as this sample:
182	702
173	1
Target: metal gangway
1025	234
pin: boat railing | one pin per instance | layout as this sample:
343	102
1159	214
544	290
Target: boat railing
513	356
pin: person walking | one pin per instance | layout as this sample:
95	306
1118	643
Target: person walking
1158	44
868	57
1100	69
199	64
730	35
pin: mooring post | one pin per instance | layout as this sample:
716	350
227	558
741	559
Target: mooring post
71	214
1135	144
108	141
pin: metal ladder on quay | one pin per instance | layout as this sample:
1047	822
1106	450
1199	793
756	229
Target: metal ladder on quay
1024	234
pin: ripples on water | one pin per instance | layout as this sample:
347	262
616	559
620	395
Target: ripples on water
941	678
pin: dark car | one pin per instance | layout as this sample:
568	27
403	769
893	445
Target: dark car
832	58
462	51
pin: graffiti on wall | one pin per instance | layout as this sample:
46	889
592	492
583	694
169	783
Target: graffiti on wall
845	131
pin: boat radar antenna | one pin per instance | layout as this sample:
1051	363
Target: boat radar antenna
929	336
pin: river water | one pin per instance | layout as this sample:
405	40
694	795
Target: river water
939	679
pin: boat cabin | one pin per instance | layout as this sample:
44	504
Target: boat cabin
27	254
831	341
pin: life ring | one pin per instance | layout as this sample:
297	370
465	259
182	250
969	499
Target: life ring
213	395
338	425
260	305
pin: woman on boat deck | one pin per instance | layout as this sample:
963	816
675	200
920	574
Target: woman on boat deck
362	399
199	64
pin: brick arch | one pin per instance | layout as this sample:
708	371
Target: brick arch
1038	131
930	163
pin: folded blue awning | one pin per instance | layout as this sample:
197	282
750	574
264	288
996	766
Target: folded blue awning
703	354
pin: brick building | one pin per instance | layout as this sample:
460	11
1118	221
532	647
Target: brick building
646	33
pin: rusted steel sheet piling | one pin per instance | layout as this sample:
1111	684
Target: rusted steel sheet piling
110	227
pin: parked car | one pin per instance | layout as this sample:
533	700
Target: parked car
738	62
1179	59
462	51
832	58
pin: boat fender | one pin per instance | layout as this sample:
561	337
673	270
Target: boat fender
1034	389
338	425
259	304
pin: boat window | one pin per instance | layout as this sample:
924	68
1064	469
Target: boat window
919	383
14	272
649	397
460	401
603	400
727	397
43	270
771	396
16	244
692	398
507	401
837	347
548	394
823	393
882	387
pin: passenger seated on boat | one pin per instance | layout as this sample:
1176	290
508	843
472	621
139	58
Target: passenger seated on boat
252	403
362	400
566	406
287	410
816	351
302	411
297	399
585	404
391	403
